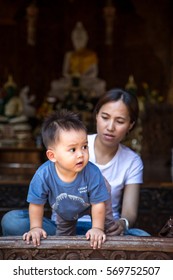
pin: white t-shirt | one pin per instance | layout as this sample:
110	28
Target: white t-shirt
126	167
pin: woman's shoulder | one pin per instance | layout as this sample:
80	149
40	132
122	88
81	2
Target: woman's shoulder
127	152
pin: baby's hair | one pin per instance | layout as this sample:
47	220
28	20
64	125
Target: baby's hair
57	121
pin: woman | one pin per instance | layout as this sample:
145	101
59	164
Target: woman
116	115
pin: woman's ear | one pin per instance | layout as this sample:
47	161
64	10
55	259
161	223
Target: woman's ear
50	155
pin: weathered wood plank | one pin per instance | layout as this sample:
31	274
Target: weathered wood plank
64	247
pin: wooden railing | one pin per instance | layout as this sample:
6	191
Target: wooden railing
78	248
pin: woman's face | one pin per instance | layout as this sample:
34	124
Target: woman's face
113	123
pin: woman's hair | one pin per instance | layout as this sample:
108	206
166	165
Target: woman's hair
129	99
57	121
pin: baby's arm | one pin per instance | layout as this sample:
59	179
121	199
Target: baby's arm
96	233
36	232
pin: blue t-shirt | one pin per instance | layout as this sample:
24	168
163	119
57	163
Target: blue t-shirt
69	200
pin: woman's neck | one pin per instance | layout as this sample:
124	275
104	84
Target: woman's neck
103	154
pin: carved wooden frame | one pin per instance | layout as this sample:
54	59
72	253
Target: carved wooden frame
78	248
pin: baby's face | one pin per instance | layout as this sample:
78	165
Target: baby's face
71	152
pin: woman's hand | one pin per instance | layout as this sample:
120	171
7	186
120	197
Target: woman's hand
117	228
35	235
96	237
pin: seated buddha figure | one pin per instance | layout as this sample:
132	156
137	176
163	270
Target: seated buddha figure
80	67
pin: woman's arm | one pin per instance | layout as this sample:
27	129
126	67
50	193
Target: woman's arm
129	211
130	203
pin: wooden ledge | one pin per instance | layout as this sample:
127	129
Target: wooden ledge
78	248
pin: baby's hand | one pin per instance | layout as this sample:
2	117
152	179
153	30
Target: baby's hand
96	236
35	235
